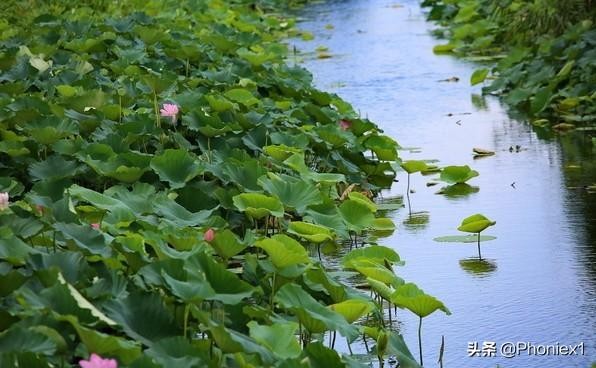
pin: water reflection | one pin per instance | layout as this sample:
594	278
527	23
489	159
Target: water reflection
416	221
456	191
478	267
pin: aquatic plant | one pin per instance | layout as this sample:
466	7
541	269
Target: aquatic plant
476	224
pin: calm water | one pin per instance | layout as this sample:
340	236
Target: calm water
539	286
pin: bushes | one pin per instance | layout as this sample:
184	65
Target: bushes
545	50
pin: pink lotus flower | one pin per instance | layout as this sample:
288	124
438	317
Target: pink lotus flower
95	225
345	124
95	361
170	110
4	201
209	235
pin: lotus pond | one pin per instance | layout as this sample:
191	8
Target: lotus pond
175	192
537	280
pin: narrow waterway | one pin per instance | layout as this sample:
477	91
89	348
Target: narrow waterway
538	284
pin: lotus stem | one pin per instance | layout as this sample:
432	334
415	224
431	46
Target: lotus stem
209	149
333	341
272	291
365	343
156	107
479	254
349	346
420	339
186	312
319	250
408	196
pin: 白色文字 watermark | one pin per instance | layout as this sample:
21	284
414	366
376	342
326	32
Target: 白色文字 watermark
510	349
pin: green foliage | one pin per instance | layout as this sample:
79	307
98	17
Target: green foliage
103	248
544	51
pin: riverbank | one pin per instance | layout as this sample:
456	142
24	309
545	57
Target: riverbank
539	54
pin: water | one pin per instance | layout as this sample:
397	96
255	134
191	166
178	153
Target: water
539	283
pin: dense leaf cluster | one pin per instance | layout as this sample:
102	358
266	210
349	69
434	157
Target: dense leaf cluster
181	240
545	51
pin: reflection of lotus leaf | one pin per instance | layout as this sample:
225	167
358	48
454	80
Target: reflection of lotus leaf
478	267
458	190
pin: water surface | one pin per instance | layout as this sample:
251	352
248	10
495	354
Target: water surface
539	283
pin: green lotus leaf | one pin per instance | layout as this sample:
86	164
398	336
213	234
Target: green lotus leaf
254	58
380	288
228	287
280	338
457	174
103	344
383	224
50	130
311	232
313	315
327	214
258	205
397	346
407	290
359	197
227	244
219	103
159	82
384	147
421	305
176	166
281	152
353	309
18	339
191	291
478	76
463	238
322	355
174	351
133	312
231	341
357	215
13	249
242	96
293	192
376	271
283	251
326	178
373	253
54	167
316	278
245	174
475	223
85	238
413	166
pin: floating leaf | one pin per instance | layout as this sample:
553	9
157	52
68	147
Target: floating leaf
457	174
